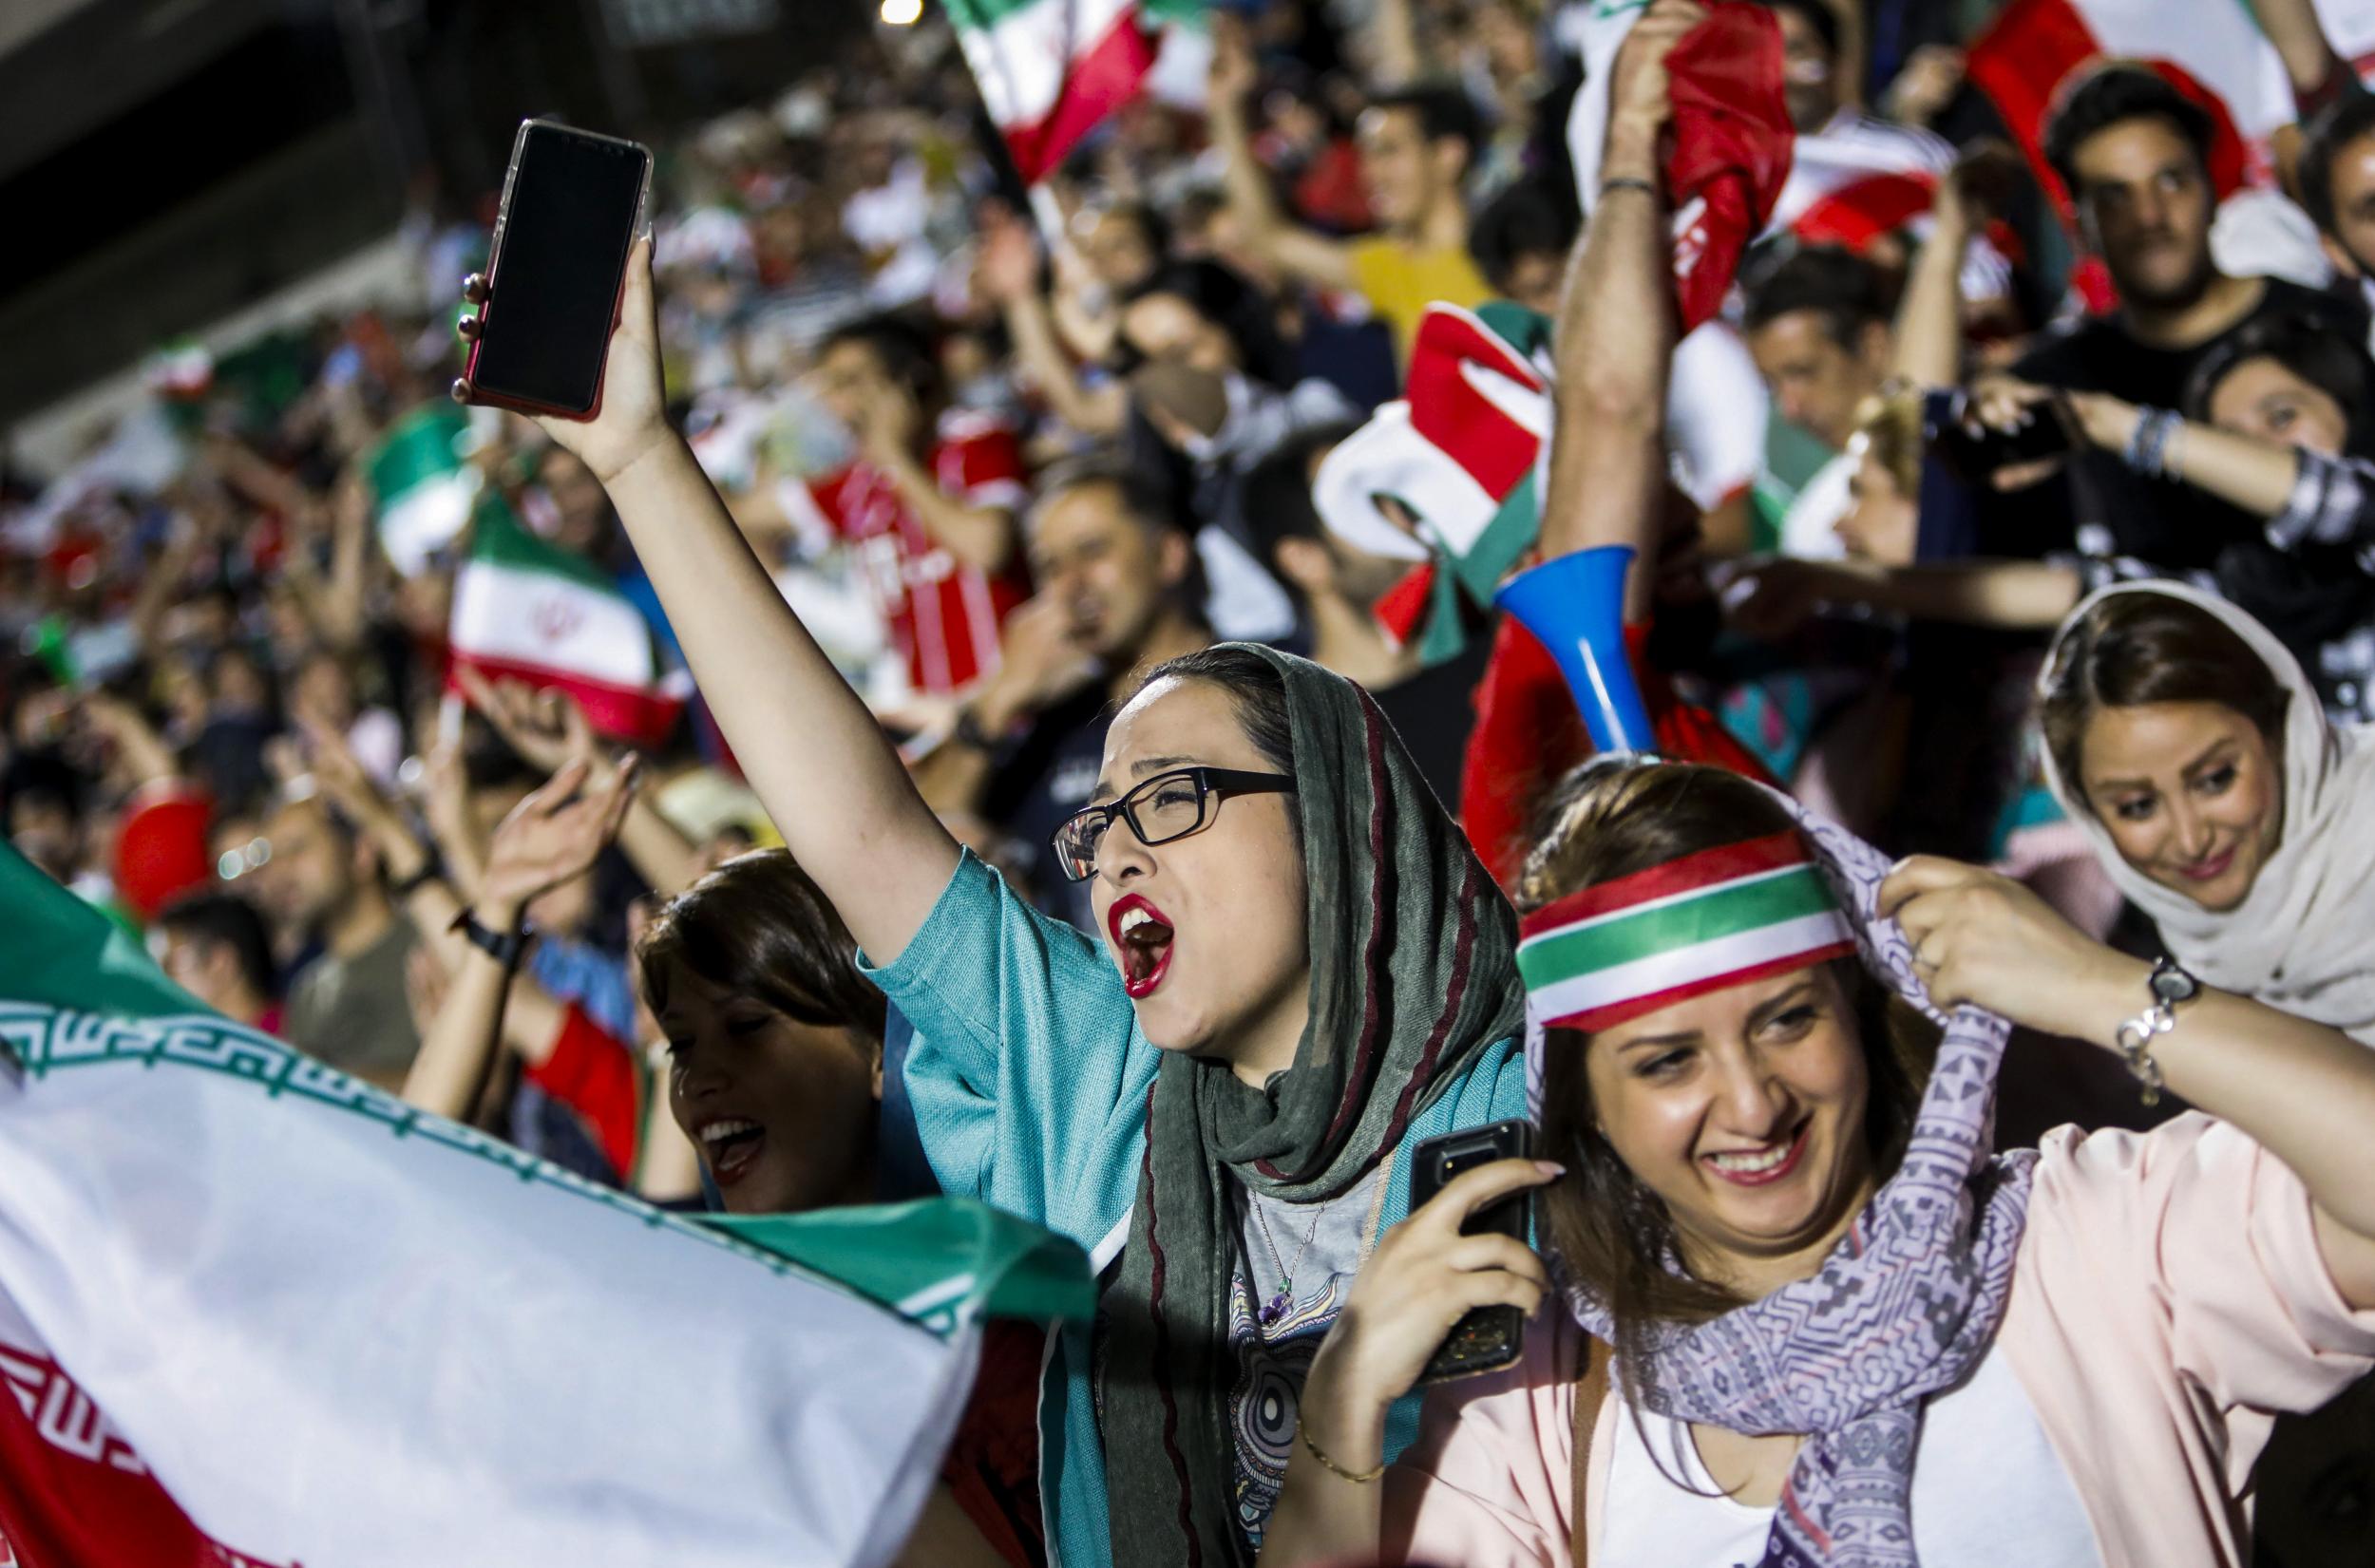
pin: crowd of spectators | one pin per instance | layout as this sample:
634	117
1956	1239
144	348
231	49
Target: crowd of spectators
1003	453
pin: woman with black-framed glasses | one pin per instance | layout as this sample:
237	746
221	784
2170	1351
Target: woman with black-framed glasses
1310	977
1168	807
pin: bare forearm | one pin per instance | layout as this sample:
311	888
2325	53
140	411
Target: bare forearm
1243	180
533	1019
339	616
2007	594
451	1067
1088	334
1395	37
2292	26
981	537
2244	471
665	858
820	763
432	908
143	752
2302	1091
1929	347
1028	322
1615	341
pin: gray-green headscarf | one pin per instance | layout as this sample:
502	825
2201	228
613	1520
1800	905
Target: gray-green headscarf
1412	973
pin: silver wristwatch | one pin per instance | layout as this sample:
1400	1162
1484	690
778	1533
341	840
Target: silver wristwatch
2169	985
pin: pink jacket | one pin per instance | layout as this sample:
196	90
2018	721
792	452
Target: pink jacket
2168	1301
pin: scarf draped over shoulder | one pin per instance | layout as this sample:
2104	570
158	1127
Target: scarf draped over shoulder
1412	975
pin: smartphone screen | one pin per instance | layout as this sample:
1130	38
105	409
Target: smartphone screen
567	224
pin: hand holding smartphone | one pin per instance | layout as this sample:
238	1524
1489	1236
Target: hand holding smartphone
572	204
1488	1337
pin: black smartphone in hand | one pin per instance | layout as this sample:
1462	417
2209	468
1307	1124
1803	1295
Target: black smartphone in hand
1488	1337
1972	452
572	205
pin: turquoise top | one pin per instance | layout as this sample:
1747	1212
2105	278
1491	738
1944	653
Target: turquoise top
1030	1079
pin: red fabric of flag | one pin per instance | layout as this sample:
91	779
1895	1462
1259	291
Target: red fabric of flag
2026	56
1731	150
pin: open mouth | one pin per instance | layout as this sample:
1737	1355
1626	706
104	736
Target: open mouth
733	1145
1762	1166
1142	940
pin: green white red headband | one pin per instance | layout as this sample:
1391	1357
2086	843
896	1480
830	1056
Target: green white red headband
1720	917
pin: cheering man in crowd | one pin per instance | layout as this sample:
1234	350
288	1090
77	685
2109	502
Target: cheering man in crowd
1416	147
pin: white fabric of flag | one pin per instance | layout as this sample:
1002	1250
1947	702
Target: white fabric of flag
346	1334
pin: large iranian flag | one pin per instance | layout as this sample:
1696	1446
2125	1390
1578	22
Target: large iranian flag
1049	71
254	1312
525	609
2219	55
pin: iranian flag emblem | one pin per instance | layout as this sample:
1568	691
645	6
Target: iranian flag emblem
527	610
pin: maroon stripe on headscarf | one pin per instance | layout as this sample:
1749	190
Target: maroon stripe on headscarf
1455	992
1372	958
1163	1351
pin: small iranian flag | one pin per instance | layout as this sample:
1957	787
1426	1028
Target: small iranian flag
527	610
1049	71
424	484
254	1312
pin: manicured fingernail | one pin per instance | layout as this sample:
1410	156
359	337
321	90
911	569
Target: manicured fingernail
1550	1169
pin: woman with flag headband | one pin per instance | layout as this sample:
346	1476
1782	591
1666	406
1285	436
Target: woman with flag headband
1805	1258
1305	972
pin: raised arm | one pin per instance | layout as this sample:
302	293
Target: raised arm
1394	43
1269	233
980	537
549	838
339	616
2301	44
2302	1091
142	753
827	775
2244	471
1928	348
1616	328
1009	273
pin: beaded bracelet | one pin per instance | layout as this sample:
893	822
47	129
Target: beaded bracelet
2148	448
1361	1478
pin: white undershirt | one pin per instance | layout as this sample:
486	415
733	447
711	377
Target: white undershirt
1987	1490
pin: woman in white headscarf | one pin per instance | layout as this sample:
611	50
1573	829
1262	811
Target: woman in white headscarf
2192	750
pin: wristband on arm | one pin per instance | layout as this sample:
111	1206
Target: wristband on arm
503	947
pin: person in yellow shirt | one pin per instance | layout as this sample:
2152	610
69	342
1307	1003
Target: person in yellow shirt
1415	143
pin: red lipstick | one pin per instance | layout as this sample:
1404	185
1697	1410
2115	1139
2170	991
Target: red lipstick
1141	934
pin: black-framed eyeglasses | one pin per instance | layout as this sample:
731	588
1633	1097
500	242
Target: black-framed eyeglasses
1168	807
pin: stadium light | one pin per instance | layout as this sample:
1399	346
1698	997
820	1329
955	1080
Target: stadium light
903	13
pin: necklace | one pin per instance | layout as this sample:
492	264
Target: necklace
1282	1300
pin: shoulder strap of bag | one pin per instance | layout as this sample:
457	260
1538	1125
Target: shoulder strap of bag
1591	1391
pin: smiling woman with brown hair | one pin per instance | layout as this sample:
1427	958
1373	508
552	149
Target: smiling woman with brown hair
1844	1333
2192	748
